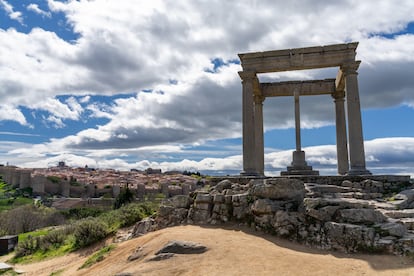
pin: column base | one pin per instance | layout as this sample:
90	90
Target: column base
359	171
299	166
251	173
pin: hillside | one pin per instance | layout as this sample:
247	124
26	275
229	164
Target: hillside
230	252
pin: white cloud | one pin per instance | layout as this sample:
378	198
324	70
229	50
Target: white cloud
384	156
166	46
11	113
9	9
35	8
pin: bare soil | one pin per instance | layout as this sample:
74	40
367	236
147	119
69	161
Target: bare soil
231	252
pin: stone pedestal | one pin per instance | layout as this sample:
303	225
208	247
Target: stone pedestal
299	166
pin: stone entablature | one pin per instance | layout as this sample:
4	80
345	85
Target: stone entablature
344	88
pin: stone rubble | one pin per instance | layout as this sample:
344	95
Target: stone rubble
365	216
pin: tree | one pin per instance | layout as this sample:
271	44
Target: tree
125	196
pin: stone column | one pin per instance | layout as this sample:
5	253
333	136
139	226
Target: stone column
341	140
355	137
258	117
249	160
297	120
298	156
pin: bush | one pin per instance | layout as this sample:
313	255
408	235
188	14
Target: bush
88	231
125	196
80	213
27	247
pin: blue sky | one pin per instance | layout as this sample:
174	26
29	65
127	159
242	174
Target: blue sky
132	84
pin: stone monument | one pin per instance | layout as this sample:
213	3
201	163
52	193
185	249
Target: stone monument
343	88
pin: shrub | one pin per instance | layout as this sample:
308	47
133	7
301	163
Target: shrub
88	231
27	247
80	213
125	196
53	179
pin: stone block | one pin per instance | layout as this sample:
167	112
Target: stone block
203	198
393	229
361	216
264	206
180	201
323	214
281	188
240	199
219	198
223	185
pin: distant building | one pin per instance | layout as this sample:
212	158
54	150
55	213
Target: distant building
61	164
153	171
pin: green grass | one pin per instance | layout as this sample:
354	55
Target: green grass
111	221
57	272
12	202
37	233
98	256
40	255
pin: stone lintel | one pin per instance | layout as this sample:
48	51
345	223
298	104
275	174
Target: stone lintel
305	88
299	58
340	81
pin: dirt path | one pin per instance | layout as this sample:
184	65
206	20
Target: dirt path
231	252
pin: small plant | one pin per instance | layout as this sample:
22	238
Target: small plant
53	179
98	256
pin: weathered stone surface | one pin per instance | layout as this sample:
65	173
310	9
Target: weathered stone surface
403	199
138	254
324	189
124	274
199	216
349	237
323	214
182	247
222	185
240	199
203	198
219	198
361	216
393	229
264	206
180	201
144	226
406	213
282	188
160	257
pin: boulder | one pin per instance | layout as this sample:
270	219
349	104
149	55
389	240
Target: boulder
348	237
279	188
223	185
180	201
361	216
264	206
182	247
393	229
138	254
144	226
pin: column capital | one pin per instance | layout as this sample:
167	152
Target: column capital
247	75
350	67
338	95
259	99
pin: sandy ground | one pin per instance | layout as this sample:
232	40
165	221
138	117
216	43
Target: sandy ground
231	252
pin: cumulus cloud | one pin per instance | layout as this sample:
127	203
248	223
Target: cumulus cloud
384	156
35	8
9	9
161	52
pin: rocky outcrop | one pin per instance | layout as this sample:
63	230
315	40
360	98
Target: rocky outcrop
349	217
